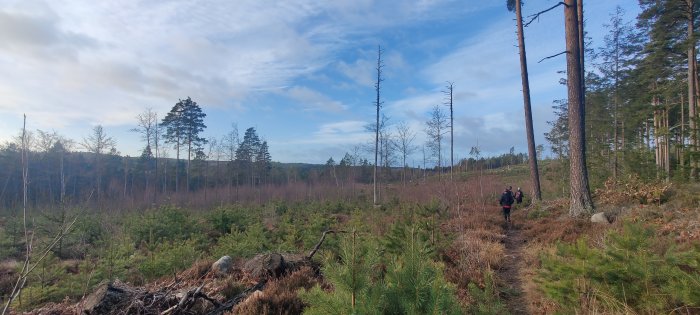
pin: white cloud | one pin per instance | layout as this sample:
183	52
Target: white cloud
362	71
313	100
73	63
335	133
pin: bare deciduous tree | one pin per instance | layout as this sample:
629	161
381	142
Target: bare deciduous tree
404	141
435	129
98	143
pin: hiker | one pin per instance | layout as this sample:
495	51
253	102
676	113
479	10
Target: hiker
519	196
506	202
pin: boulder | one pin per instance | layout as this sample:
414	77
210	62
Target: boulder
222	266
600	217
266	265
109	298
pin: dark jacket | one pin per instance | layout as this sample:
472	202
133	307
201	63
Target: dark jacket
507	199
519	196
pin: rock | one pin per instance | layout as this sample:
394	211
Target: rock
265	265
109	298
600	217
222	266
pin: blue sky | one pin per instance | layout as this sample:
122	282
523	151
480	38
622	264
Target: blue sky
301	72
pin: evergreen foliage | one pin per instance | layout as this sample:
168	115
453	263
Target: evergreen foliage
168	258
364	282
165	224
243	244
632	272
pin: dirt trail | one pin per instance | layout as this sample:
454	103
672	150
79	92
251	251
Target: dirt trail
509	274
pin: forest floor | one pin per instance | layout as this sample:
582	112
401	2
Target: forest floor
510	272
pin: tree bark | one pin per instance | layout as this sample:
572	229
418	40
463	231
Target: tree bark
692	78
581	202
531	148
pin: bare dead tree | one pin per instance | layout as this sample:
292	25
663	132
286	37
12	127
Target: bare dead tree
448	91
378	105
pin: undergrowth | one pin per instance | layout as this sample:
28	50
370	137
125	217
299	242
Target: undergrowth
631	272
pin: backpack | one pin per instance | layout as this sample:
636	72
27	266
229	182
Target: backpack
507	198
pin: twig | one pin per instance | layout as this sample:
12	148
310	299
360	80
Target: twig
320	242
27	268
22	280
552	56
537	15
191	294
238	298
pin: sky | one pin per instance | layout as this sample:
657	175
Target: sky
301	72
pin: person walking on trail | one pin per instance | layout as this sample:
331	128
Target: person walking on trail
506	202
519	196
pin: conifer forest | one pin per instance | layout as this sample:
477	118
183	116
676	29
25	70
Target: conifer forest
597	213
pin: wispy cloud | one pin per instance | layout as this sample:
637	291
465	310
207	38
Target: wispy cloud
71	64
312	100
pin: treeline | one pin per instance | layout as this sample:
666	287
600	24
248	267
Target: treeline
59	176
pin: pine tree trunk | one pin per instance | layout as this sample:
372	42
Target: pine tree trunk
155	177
667	143
657	137
187	171
177	164
581	202
692	80
531	149
681	151
616	102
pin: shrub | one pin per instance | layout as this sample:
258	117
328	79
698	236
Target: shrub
411	283
224	219
630	273
351	277
168	258
415	284
243	244
166	224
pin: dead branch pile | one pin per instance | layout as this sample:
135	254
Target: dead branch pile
199	290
